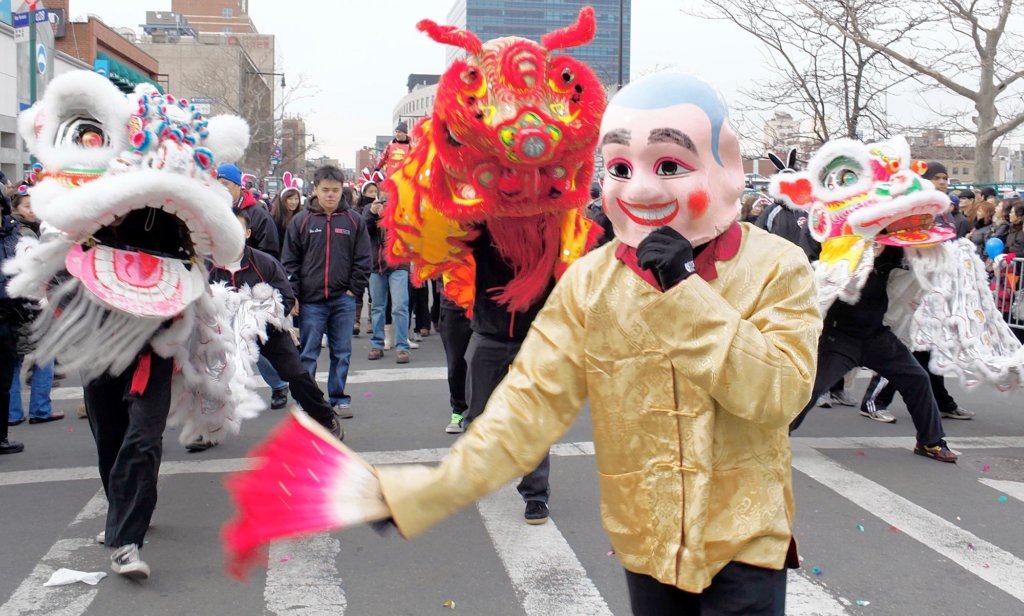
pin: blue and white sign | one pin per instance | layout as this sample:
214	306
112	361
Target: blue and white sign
20	20
41	58
102	66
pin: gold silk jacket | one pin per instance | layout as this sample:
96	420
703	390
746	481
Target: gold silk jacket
691	393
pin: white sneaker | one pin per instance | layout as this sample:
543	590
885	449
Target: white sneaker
414	337
413	344
881	415
825	401
125	561
101	538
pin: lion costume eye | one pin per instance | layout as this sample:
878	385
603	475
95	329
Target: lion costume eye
82	131
840	173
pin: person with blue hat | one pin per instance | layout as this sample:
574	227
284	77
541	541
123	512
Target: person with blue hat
264	231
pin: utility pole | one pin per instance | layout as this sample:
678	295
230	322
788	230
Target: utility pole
32	64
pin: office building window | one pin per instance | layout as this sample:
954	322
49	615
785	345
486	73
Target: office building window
227	13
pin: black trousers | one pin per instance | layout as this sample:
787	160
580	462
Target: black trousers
435	302
489	361
881	391
128	429
280	351
738	590
419	306
882	352
456	332
8	358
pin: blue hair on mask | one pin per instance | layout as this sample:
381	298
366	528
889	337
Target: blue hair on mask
667	89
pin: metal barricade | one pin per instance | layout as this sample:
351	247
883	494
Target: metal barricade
1009	291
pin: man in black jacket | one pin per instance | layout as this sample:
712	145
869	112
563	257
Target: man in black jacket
256	267
327	260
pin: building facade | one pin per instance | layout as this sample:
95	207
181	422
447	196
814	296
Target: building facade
366	158
418	103
532	19
293	145
226	16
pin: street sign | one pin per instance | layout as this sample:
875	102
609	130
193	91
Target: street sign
102	66
41	58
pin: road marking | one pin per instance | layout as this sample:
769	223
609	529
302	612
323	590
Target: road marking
807	597
31	597
384	375
985	560
302	578
1011	488
427	456
545	573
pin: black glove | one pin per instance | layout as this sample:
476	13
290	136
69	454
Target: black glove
668	255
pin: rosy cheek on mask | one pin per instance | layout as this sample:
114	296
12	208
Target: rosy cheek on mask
697	204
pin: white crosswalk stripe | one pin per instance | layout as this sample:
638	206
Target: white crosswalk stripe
542	567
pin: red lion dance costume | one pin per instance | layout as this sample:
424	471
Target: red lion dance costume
497	178
510	145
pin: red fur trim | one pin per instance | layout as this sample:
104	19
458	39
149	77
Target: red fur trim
531	246
450	35
579	33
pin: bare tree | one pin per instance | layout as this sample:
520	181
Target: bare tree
813	70
961	46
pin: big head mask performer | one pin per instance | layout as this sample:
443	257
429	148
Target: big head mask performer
715	365
670	159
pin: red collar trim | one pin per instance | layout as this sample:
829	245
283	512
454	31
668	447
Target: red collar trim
722	248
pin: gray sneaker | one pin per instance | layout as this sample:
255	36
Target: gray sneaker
343	410
824	401
958	413
845	398
125	561
881	415
457	424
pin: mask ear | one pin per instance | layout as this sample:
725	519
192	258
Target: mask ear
791	163
27	123
228	138
776	161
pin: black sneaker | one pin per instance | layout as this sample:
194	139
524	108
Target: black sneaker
279	398
7	446
536	512
336	429
125	561
939	451
200	444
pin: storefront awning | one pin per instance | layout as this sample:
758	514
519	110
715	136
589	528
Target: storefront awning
125	77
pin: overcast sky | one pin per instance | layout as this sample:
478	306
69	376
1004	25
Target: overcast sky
359	54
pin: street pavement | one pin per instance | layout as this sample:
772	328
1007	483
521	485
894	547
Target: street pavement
881	531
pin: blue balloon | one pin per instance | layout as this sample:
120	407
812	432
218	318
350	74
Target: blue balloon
994	247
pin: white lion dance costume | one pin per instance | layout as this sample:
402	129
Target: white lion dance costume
862	196
130	209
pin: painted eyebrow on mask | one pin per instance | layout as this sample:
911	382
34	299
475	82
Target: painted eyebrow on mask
619	136
671	135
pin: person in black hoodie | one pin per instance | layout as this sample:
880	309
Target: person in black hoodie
264	231
383	278
327	260
253	268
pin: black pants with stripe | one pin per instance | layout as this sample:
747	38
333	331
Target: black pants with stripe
881	391
840	352
128	428
280	351
738	590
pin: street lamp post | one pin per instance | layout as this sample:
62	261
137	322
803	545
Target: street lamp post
621	39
